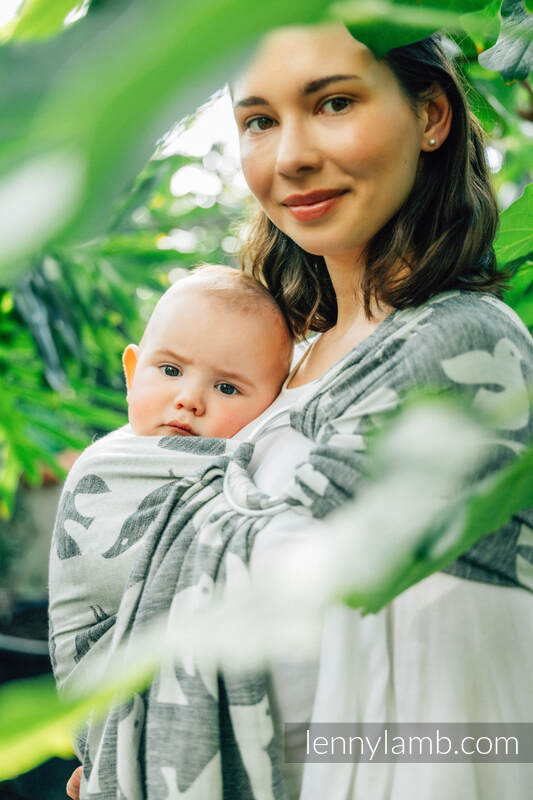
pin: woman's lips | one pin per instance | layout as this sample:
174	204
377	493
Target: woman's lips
312	206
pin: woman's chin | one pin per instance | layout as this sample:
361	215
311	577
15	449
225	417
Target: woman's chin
331	250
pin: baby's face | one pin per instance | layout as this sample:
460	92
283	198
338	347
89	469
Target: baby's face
204	368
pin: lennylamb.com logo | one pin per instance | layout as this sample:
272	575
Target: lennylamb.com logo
410	742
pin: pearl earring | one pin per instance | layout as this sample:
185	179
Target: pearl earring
432	142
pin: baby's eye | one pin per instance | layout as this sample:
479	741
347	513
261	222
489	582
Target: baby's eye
227	388
168	369
260	121
337	104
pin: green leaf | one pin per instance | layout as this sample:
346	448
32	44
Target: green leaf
37	724
10	472
41	18
385	24
482	108
63	437
142	246
512	55
104	93
521	282
520	295
514	240
483	26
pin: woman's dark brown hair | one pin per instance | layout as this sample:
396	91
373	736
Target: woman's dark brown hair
440	239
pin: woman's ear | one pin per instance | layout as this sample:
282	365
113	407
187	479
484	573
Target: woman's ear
130	356
438	119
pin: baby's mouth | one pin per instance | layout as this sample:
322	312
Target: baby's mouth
181	428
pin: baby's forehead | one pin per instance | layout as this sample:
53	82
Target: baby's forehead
220	298
200	302
218	329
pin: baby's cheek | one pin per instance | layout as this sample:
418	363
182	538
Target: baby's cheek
141	413
224	427
228	419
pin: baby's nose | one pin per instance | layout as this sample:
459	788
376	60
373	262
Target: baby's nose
191	399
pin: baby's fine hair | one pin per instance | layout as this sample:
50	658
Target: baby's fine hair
240	291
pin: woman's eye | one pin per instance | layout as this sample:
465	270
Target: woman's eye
337	104
170	371
261	123
227	388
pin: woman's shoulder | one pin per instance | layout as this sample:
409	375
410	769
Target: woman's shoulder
463	320
467	309
455	337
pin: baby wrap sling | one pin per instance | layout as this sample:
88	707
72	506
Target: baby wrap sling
149	525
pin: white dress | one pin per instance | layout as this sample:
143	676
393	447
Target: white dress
293	685
446	650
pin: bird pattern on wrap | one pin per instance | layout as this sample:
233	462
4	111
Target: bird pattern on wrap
161	536
66	546
84	640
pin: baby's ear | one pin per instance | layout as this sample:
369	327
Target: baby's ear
130	356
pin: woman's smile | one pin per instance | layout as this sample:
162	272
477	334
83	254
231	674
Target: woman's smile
308	207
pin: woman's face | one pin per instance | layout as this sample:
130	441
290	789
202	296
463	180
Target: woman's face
329	142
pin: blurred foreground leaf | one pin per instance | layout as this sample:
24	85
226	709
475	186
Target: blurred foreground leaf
107	89
385	24
37	724
41	18
483	26
487	509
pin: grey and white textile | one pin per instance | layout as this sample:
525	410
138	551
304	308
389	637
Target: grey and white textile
149	525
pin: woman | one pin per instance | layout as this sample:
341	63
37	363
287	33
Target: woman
374	200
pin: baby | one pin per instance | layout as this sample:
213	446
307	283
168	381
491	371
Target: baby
214	355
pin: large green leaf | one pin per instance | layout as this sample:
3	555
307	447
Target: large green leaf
520	295
385	24
37	724
41	18
483	26
512	55
514	241
106	90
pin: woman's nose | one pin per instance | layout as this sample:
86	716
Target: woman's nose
191	399
297	151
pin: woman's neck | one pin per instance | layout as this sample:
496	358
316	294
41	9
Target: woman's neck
352	325
346	272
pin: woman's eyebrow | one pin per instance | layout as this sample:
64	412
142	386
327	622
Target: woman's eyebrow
309	88
320	83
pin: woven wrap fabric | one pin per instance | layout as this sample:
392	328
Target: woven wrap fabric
149	526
